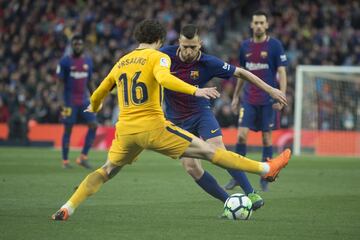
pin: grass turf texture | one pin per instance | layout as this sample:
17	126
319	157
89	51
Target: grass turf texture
315	198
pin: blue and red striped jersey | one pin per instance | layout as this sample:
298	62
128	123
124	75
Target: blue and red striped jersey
263	60
179	106
75	74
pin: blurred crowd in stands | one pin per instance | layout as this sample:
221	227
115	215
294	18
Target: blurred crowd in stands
35	34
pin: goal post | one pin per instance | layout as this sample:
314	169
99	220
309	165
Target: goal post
327	110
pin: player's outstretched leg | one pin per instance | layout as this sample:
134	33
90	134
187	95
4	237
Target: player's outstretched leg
90	185
269	170
241	150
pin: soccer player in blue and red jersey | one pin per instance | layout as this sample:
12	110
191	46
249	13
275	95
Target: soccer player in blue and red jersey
263	56
74	74
194	114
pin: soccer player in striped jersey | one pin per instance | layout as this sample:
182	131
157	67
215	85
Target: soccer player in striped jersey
263	56
74	73
194	114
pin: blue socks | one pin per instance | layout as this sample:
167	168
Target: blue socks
240	149
239	176
267	153
210	185
66	141
90	136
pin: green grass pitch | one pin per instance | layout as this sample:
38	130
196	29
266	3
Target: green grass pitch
314	198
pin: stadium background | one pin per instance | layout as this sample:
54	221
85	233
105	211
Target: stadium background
315	198
35	34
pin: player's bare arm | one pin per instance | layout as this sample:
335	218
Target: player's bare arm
236	97
207	93
276	94
283	83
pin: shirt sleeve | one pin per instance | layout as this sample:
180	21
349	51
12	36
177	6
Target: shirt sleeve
280	56
219	68
162	74
103	90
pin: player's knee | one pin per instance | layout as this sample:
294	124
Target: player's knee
242	138
113	172
209	152
110	169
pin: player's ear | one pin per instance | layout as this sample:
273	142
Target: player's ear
266	25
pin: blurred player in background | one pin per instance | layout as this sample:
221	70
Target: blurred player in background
194	114
139	77
263	56
74	74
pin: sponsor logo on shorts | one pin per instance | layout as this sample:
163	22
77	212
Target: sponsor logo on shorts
214	130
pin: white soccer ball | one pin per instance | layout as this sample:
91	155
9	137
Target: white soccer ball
238	207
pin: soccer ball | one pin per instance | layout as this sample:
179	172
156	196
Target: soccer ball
238	207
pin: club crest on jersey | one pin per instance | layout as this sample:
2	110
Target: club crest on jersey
194	74
263	54
86	67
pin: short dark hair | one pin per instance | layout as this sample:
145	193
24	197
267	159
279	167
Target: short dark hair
189	31
149	31
76	37
260	13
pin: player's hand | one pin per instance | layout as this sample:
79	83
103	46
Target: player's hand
278	96
207	93
91	110
277	106
66	111
235	105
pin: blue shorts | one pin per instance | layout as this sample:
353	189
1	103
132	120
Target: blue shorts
203	124
257	117
77	114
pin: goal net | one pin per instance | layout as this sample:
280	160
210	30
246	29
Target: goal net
327	110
